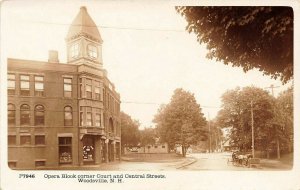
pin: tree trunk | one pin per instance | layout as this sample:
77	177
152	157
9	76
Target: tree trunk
183	151
266	146
278	148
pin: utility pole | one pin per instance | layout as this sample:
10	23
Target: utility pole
209	134
277	138
252	124
272	88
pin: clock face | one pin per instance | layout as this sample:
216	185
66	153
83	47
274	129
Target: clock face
74	50
92	51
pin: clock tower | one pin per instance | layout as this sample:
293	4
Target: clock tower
84	42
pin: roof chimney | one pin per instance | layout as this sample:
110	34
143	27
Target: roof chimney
53	56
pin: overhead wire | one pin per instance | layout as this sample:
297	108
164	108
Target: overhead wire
109	27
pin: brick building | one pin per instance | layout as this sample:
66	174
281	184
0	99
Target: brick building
64	114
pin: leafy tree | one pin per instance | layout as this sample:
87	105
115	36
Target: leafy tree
236	114
129	131
147	137
181	122
284	119
248	37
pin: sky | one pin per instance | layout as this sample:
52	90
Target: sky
146	51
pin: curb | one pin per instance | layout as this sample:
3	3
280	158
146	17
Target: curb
150	161
187	164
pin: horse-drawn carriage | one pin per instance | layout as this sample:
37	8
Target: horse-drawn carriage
240	159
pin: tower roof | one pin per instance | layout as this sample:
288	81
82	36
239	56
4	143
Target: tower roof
83	24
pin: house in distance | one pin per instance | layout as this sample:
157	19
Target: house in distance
64	114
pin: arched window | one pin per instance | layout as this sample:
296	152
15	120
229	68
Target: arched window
39	115
68	116
25	114
11	114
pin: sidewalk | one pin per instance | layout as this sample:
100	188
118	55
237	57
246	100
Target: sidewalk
170	161
131	163
111	166
155	157
188	161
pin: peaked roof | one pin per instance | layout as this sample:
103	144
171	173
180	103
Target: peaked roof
83	24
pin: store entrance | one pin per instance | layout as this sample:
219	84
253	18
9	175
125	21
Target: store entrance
88	149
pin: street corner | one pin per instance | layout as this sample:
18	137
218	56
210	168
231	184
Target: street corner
186	162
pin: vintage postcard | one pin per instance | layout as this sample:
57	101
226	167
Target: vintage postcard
151	95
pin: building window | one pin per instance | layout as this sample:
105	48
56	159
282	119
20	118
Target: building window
68	116
163	146
39	86
39	115
92	51
25	90
155	146
25	140
113	105
11	140
103	98
74	50
67	87
98	118
11	84
11	114
81	88
88	88
40	163
25	114
81	116
65	149
107	100
89	118
97	90
39	140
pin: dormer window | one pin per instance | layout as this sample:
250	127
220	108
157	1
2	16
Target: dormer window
92	51
74	50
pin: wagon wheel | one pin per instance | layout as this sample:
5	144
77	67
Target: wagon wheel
245	162
234	162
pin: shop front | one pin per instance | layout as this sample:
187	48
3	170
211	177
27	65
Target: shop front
88	149
65	150
97	149
91	149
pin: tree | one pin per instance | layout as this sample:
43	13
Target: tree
236	115
181	122
248	37
129	131
284	119
147	137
